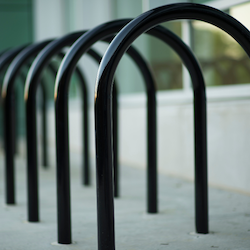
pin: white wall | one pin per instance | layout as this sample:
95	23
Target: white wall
228	136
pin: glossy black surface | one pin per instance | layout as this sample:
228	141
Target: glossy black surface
32	83
7	91
8	56
148	80
5	59
104	150
62	136
103	90
31	118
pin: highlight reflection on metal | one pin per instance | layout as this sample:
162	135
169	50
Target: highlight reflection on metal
7	91
105	186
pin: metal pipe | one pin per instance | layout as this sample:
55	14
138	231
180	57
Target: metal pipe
8	56
105	187
7	91
5	59
44	124
98	58
151	130
31	84
62	129
30	89
102	105
30	93
85	175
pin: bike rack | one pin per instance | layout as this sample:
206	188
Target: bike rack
65	237
102	107
64	73
8	56
30	98
7	91
44	119
103	110
82	80
98	59
151	122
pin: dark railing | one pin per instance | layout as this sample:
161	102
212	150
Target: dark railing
7	91
64	224
32	82
64	74
5	60
145	23
53	68
102	109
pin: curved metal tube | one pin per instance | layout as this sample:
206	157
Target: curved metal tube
151	128
62	81
85	121
8	56
7	91
103	91
31	85
5	59
44	123
98	59
53	69
30	88
62	135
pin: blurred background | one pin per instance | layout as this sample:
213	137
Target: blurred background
225	66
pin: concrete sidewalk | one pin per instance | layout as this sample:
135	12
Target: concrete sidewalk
173	228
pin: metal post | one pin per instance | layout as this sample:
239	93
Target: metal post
62	128
7	91
85	135
103	91
53	69
64	228
98	58
44	125
104	175
32	82
5	59
8	56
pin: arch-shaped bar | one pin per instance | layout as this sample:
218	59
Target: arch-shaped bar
102	107
31	85
8	56
62	81
53	68
41	60
152	206
132	53
7	91
5	59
